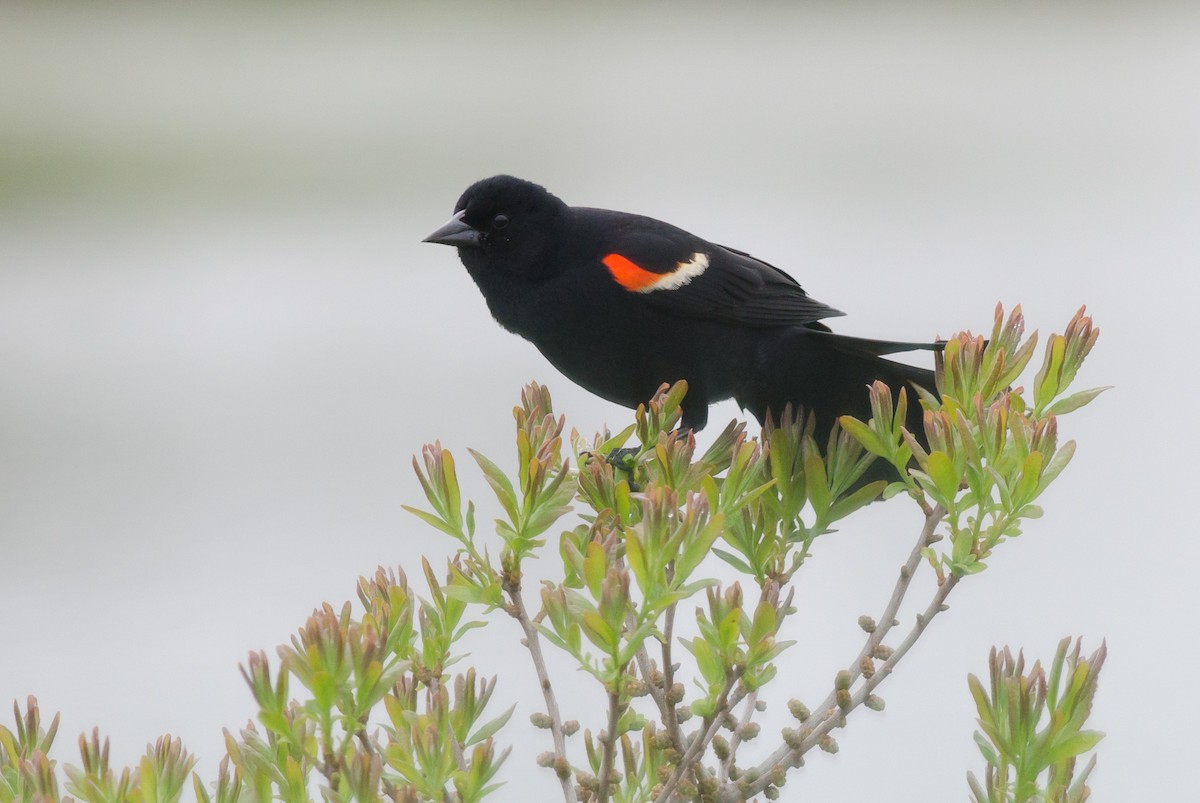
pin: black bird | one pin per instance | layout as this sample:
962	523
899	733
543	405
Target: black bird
621	303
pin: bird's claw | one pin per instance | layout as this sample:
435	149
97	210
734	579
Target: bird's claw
624	457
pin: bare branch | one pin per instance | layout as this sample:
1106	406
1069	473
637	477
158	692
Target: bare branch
830	714
829	707
735	740
936	605
666	709
703	735
888	620
608	745
645	670
670	720
562	766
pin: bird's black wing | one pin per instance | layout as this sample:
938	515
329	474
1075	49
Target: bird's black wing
688	276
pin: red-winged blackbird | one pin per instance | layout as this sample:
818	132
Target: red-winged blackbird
621	303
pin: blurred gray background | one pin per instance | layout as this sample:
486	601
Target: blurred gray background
221	339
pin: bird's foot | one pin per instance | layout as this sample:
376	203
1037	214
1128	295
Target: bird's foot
624	457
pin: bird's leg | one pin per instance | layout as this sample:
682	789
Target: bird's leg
624	457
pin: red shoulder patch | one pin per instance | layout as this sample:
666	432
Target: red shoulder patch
635	278
629	274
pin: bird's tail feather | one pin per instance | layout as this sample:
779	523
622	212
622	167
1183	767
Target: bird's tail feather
827	374
866	345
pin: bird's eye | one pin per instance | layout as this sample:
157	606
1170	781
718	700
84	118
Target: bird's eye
499	221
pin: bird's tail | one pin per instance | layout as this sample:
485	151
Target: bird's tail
827	374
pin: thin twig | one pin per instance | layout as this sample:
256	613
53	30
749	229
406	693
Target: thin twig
661	696
645	670
829	706
533	644
608	745
888	620
735	740
936	605
832	718
666	710
703	736
670	718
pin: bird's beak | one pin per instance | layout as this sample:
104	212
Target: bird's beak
456	233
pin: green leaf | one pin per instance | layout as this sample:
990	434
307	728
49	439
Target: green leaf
617	441
985	747
1031	473
734	561
1056	464
1017	363
501	486
551	637
636	556
940	469
594	568
860	498
707	661
727	630
324	690
453	497
433	521
968	566
490	728
695	552
275	722
202	795
1030	512
675	396
817	484
979	694
1076	400
864	435
764	623
599	631
1072	746
1045	384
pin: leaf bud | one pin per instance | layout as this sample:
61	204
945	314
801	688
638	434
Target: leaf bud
748	731
792	738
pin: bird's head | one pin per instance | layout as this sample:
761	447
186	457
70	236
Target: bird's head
505	226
